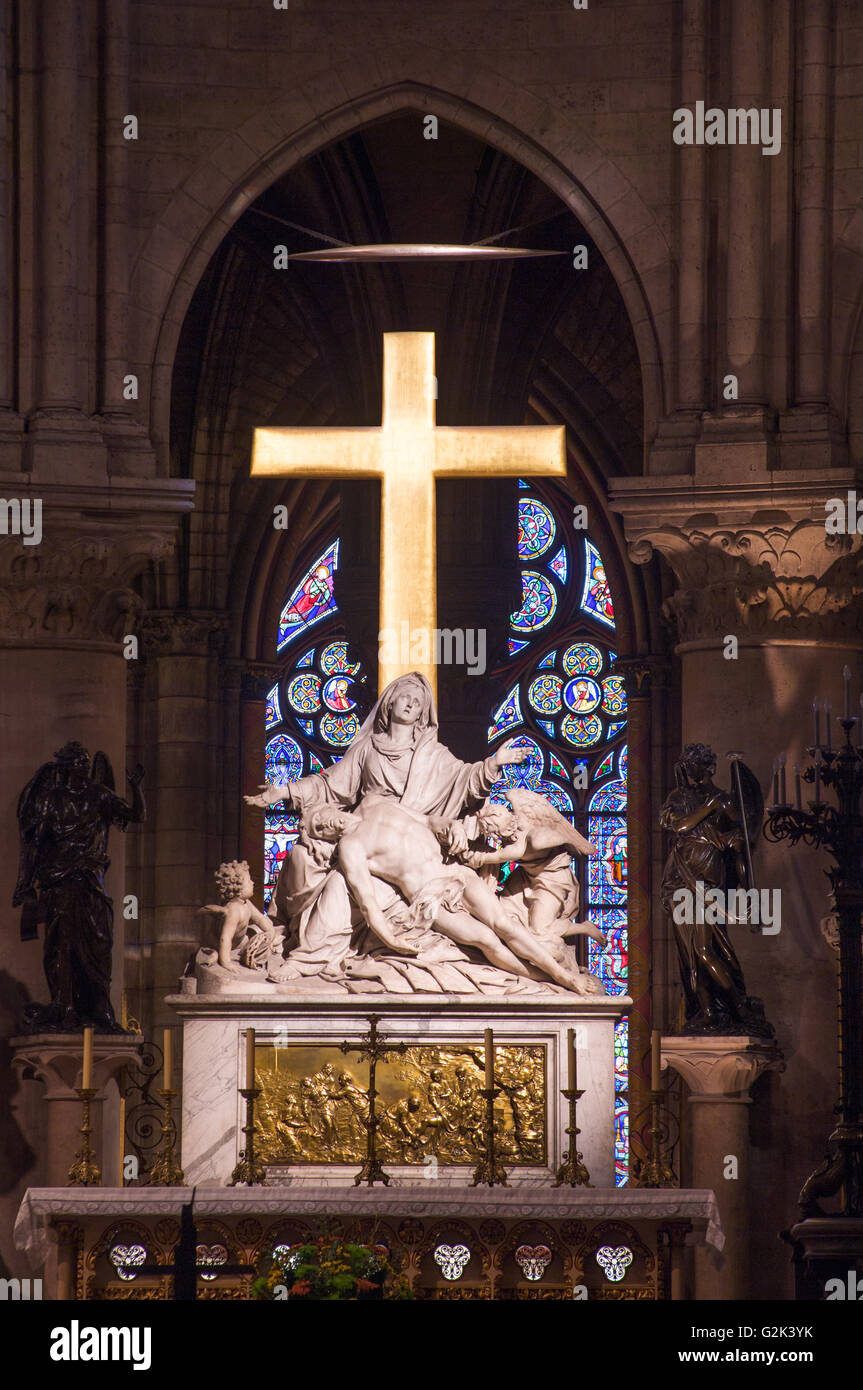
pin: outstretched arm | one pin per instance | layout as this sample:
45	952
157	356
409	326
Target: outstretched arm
516	849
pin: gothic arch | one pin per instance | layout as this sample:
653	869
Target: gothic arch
281	135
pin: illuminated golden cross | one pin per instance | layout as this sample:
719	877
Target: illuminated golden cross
407	452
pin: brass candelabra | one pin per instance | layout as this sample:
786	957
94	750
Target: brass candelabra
375	1050
85	1171
572	1170
249	1170
166	1171
653	1171
489	1169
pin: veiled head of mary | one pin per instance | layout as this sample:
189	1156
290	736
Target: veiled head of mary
407	700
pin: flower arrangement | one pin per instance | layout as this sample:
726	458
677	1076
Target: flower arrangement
329	1268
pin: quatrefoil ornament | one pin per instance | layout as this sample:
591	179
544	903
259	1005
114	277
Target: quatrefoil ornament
614	1263
533	1260
208	1256
126	1258
451	1260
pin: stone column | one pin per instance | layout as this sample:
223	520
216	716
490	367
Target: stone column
60	430
720	1073
768	609
55	1060
129	447
182	649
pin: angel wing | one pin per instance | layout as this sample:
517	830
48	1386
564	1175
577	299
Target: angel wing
102	771
537	810
31	805
753	799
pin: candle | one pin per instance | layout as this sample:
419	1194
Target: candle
783	799
797	788
168	1059
655	1060
250	1059
828	710
816	715
775	781
87	1067
846	676
489	1060
572	1076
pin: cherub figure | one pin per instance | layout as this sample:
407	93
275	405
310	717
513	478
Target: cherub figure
247	937
542	891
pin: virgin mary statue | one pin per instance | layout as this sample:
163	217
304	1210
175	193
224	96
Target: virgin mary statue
396	754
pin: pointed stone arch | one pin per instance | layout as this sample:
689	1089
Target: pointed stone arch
282	134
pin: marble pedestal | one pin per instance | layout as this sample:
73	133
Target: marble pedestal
214	1029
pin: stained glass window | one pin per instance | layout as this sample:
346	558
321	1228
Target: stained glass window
317	704
561	698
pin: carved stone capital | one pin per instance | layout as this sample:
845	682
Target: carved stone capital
56	1060
638	675
182	632
755	560
721	1069
257	679
69	578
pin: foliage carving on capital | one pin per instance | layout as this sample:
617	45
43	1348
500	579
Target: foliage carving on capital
73	587
182	632
766	578
721	1066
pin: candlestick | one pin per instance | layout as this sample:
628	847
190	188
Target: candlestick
816	715
797	788
167	1059
87	1065
846	676
775	781
655	1060
818	774
828	710
572	1072
250	1059
489	1059
782	796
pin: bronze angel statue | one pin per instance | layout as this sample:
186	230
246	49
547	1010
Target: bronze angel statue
64	815
712	833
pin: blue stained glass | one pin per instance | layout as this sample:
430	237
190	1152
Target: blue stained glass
596	595
276	850
307	726
304	693
547	726
334	660
312	599
606	767
536	528
621	1105
614	729
508	716
538	603
522	483
283	760
514	646
613	695
315	764
308	659
559	564
548	660
274	712
555	766
339	729
622	763
544	694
